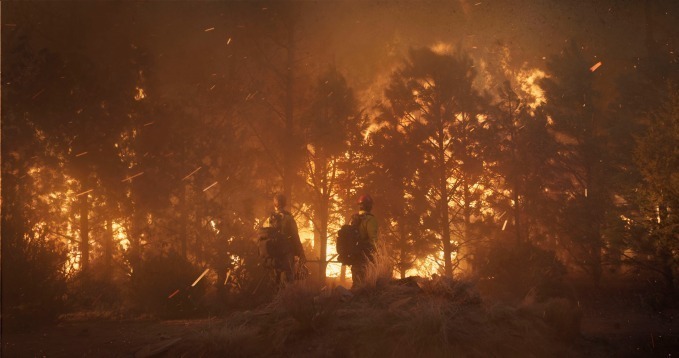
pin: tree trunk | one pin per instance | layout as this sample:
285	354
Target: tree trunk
135	237
109	242
445	220
183	222
323	233
84	244
289	145
467	223
403	251
517	212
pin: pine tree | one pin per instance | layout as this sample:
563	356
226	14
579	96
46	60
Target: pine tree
431	96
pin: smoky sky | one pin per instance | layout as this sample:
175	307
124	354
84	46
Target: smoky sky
363	39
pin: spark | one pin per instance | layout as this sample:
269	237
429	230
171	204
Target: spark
83	193
477	4
251	95
504	225
211	185
81	154
585	192
148	124
210	29
228	41
597	65
173	294
200	277
190	174
228	274
213	87
132	177
38	94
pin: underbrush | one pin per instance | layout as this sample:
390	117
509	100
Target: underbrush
33	282
162	287
406	318
509	272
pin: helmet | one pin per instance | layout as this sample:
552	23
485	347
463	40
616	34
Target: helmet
279	200
365	202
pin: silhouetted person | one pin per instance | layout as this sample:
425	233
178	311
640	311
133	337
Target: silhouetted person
282	222
367	229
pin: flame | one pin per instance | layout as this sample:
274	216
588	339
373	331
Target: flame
306	235
429	265
527	79
120	235
442	48
140	94
372	128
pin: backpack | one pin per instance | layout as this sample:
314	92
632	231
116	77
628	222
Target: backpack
273	245
350	248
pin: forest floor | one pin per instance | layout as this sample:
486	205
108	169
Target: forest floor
609	328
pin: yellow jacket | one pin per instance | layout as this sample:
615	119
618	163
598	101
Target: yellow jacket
368	228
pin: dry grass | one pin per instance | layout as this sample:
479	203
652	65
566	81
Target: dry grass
420	318
380	270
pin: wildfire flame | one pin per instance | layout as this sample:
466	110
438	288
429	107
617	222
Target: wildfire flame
140	94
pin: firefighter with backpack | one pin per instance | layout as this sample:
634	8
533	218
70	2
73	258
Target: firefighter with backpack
279	243
357	241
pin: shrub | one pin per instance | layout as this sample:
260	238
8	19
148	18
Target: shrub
98	289
158	277
511	271
33	281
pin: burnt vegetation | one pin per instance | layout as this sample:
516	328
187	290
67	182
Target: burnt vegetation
142	143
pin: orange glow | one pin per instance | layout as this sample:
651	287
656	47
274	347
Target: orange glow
442	48
140	94
527	79
597	65
120	235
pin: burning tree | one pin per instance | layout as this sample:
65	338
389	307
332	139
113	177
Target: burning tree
329	122
404	218
653	233
432	98
523	163
573	104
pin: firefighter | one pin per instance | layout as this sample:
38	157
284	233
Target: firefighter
367	229
283	222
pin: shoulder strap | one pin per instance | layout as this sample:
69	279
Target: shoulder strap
356	220
276	220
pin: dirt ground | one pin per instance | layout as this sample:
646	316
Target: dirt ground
604	333
98	338
615	323
634	334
